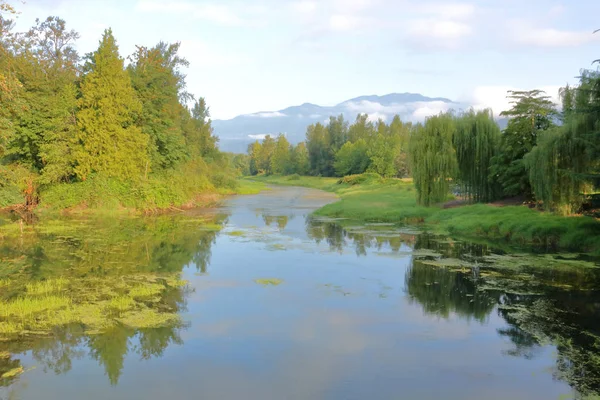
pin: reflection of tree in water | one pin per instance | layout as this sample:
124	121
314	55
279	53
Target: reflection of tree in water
280	221
540	307
569	321
338	237
160	246
441	292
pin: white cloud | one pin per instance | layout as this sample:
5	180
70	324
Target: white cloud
449	11
440	25
414	111
353	5
257	137
216	13
550	37
427	109
495	97
439	29
305	7
314	116
374	117
339	22
273	114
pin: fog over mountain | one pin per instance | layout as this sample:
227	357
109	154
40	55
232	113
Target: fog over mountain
235	134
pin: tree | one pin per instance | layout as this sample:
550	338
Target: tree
565	163
159	84
382	153
300	159
400	134
317	143
281	158
45	63
108	140
362	128
433	159
200	139
254	150
476	143
267	149
352	158
531	114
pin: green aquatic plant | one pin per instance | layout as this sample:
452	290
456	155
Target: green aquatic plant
269	281
46	287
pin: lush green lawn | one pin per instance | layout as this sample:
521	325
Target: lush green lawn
393	200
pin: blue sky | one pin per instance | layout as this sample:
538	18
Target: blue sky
259	55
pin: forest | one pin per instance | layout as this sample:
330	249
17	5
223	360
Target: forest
547	155
100	129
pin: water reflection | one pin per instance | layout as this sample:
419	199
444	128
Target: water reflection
541	303
398	289
100	260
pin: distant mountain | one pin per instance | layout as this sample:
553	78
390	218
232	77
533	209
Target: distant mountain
235	134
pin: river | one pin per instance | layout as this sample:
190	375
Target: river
279	305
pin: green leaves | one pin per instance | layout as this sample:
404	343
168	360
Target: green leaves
107	140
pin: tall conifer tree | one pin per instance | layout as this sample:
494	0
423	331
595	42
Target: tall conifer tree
108	141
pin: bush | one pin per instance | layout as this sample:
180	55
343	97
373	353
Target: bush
368	177
294	177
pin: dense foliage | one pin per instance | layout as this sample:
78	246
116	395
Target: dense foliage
543	156
67	120
337	149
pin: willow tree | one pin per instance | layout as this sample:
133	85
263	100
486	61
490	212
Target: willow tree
476	142
433	158
565	164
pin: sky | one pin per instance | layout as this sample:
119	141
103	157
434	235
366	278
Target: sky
263	55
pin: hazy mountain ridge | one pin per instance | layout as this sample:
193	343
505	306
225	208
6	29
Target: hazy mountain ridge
235	134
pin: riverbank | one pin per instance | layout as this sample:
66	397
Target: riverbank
393	201
156	195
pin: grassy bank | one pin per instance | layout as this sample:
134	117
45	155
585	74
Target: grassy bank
393	200
196	185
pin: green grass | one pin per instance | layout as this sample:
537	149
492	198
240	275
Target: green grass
394	200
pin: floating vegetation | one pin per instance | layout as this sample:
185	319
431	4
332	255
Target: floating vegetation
422	253
46	287
236	233
276	247
95	303
555	261
12	373
269	281
148	318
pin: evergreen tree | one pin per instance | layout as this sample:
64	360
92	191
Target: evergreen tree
108	140
201	139
531	114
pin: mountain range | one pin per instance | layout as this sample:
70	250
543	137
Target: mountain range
235	134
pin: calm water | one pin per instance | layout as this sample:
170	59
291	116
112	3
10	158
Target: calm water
361	312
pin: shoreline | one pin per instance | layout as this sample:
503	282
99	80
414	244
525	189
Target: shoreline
393	201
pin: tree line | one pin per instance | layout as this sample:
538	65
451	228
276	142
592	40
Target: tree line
545	154
337	149
67	118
